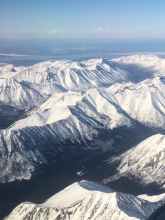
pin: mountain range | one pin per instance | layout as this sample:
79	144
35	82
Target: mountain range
64	113
53	102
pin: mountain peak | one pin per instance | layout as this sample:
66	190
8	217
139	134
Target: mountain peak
87	200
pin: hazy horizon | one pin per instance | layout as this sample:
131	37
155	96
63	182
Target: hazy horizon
29	52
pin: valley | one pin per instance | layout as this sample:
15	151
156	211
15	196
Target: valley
96	120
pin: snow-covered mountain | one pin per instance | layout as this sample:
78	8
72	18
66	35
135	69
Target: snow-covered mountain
30	86
141	67
63	114
87	200
144	101
149	61
74	116
145	162
56	108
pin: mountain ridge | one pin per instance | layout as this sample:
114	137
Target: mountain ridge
71	101
87	200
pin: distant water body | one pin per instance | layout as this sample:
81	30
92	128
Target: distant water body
29	52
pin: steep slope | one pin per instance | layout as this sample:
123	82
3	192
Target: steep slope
30	86
155	198
60	112
149	61
86	200
24	89
73	116
141	67
61	106
9	114
144	162
64	106
144	101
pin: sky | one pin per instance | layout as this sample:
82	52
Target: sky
37	19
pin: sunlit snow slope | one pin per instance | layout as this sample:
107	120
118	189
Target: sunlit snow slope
144	101
145	162
20	86
87	200
53	105
76	116
151	62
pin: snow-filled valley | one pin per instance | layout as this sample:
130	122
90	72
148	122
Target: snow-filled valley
63	113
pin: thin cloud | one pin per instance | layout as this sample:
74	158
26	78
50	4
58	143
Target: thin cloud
56	32
97	31
101	31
